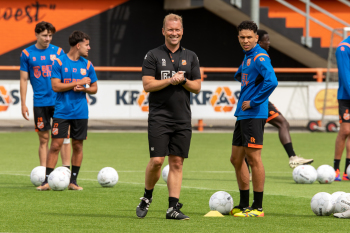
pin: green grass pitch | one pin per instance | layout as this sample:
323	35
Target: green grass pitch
208	169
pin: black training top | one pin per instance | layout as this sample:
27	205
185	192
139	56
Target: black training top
171	104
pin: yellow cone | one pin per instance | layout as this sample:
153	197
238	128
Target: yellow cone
214	213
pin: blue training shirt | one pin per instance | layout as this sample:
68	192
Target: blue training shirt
38	64
343	61
258	80
70	104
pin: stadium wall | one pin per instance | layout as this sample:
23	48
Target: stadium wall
122	32
217	100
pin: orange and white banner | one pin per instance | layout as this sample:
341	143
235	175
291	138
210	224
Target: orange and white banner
10	104
216	100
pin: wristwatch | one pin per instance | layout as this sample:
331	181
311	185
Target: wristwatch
184	82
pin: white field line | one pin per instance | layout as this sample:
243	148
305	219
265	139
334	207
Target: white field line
186	187
7	172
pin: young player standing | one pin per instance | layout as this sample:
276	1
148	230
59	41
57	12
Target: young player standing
258	80
36	64
69	75
276	118
343	61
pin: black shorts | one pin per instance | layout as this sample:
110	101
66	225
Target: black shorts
169	138
78	128
344	114
249	133
273	112
42	118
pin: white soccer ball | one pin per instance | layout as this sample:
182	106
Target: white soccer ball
325	174
107	177
37	176
305	174
342	203
335	196
348	170
321	204
221	201
165	173
295	174
58	180
65	169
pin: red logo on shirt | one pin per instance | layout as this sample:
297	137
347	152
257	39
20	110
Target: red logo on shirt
184	62
37	72
74	70
342	49
52	57
248	62
43	58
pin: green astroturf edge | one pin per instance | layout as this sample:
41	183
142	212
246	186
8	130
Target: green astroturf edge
208	169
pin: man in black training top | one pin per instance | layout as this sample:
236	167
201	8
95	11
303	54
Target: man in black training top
169	72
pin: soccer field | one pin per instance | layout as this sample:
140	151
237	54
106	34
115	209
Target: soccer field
208	169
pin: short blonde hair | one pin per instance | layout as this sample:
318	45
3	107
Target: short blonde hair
173	17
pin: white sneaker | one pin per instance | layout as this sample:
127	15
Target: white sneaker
295	161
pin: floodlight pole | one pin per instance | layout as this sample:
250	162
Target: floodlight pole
255	11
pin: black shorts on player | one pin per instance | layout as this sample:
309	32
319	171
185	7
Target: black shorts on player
169	138
249	133
42	118
78	128
273	112
344	108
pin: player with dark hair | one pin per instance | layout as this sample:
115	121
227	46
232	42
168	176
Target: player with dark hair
36	64
343	61
169	72
258	80
276	118
70	74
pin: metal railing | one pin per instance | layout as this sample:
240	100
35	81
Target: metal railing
307	40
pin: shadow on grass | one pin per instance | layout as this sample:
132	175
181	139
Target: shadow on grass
18	187
132	214
98	215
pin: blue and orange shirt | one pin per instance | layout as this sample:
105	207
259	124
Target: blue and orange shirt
38	64
343	61
258	80
70	104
